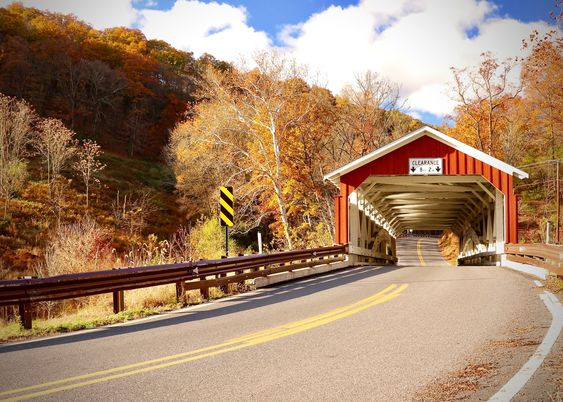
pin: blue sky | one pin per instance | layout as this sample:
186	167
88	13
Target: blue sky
272	15
411	42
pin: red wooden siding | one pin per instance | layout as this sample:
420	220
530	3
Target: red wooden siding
455	162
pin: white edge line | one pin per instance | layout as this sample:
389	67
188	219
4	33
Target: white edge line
538	283
515	384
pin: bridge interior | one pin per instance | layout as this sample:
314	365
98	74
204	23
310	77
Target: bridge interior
383	207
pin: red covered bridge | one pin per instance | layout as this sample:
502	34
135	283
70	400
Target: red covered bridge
425	180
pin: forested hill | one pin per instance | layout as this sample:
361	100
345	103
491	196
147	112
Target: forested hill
113	86
137	97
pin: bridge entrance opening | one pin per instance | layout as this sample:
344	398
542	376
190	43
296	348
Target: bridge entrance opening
425	181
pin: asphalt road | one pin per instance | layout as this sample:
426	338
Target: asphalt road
369	333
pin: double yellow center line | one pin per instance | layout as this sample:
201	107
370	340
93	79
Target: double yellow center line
256	338
422	262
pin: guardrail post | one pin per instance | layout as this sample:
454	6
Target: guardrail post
181	291
118	301
240	285
25	315
204	290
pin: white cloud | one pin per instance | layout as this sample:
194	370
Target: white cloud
431	98
415	115
413	43
216	28
100	14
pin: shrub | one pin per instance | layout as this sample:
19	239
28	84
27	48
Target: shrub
207	240
74	248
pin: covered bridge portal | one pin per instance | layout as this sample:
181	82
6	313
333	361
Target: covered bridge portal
425	180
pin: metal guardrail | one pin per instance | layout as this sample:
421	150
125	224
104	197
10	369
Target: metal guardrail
548	256
23	292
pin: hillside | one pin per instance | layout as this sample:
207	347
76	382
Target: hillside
32	221
114	86
127	93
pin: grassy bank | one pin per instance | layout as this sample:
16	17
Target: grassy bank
98	312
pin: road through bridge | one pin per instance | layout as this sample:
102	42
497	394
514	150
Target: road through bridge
406	332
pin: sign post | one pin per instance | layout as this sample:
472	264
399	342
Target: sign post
227	212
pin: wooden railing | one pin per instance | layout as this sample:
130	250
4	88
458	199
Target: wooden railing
548	256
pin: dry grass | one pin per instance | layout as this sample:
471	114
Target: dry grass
75	248
95	311
85	318
554	284
153	297
31	243
513	343
31	221
523	330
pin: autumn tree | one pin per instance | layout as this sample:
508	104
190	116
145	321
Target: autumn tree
199	164
542	79
310	198
131	210
16	118
248	115
483	92
56	145
366	116
515	135
71	80
114	86
104	88
88	164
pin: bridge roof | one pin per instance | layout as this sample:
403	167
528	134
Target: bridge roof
334	176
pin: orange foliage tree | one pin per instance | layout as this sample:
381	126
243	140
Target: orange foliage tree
114	85
542	78
484	93
263	130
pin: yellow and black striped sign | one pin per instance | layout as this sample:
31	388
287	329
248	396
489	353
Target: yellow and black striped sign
227	202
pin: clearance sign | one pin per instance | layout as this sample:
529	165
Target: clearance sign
425	166
227	203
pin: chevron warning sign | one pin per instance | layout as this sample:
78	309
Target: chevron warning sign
227	203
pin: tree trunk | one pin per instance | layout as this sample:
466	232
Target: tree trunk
491	143
283	215
87	191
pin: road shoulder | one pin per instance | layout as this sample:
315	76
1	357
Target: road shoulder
488	369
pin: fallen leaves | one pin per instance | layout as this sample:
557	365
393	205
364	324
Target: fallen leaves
459	384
